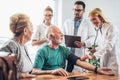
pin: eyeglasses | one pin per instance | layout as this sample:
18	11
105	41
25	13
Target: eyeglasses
49	15
78	10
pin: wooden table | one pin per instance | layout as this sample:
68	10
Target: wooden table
91	76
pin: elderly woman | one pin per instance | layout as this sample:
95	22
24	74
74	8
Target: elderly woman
105	40
22	28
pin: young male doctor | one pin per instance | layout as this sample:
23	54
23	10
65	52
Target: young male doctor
79	26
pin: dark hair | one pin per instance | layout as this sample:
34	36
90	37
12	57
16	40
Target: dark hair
80	3
48	8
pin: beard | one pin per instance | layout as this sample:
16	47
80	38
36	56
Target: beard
57	42
77	17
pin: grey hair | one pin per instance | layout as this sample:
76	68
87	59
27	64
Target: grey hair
49	32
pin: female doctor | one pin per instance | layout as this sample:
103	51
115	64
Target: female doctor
105	40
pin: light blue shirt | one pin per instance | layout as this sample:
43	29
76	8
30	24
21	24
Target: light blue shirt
76	26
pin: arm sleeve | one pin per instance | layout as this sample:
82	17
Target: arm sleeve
10	47
91	34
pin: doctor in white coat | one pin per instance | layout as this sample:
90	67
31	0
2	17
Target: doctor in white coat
79	26
106	35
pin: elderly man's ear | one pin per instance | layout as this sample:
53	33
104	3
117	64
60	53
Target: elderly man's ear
51	35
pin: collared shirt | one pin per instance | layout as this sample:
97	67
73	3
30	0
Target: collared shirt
76	26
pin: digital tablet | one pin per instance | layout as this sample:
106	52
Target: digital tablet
70	39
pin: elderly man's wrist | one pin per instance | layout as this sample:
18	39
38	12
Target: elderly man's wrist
95	70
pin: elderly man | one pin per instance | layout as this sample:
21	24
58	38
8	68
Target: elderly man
51	58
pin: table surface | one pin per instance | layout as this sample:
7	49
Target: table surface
91	76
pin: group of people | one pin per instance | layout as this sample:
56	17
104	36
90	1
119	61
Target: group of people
49	37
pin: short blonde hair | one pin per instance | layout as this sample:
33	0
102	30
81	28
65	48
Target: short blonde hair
18	22
98	12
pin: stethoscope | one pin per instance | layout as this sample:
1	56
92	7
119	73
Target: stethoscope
97	30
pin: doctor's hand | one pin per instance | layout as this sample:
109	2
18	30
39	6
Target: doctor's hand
87	56
84	57
92	50
105	71
79	44
60	72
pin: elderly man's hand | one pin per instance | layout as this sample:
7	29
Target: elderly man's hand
27	75
92	50
105	71
60	71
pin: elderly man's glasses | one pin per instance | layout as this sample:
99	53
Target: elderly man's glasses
78	10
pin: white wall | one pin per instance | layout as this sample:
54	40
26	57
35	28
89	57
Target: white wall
110	9
33	8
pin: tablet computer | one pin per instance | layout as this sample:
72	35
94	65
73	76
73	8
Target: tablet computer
70	39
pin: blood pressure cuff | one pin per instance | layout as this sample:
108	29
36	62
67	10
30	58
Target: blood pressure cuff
73	58
71	62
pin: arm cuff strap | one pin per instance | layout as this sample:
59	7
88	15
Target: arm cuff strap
73	58
96	70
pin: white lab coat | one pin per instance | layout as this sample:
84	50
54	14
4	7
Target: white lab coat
85	30
106	47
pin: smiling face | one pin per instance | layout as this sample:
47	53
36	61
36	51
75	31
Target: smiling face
48	15
96	20
57	36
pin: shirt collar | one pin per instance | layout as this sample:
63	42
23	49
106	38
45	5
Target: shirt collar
78	19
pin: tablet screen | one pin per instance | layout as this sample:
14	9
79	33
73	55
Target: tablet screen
69	40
